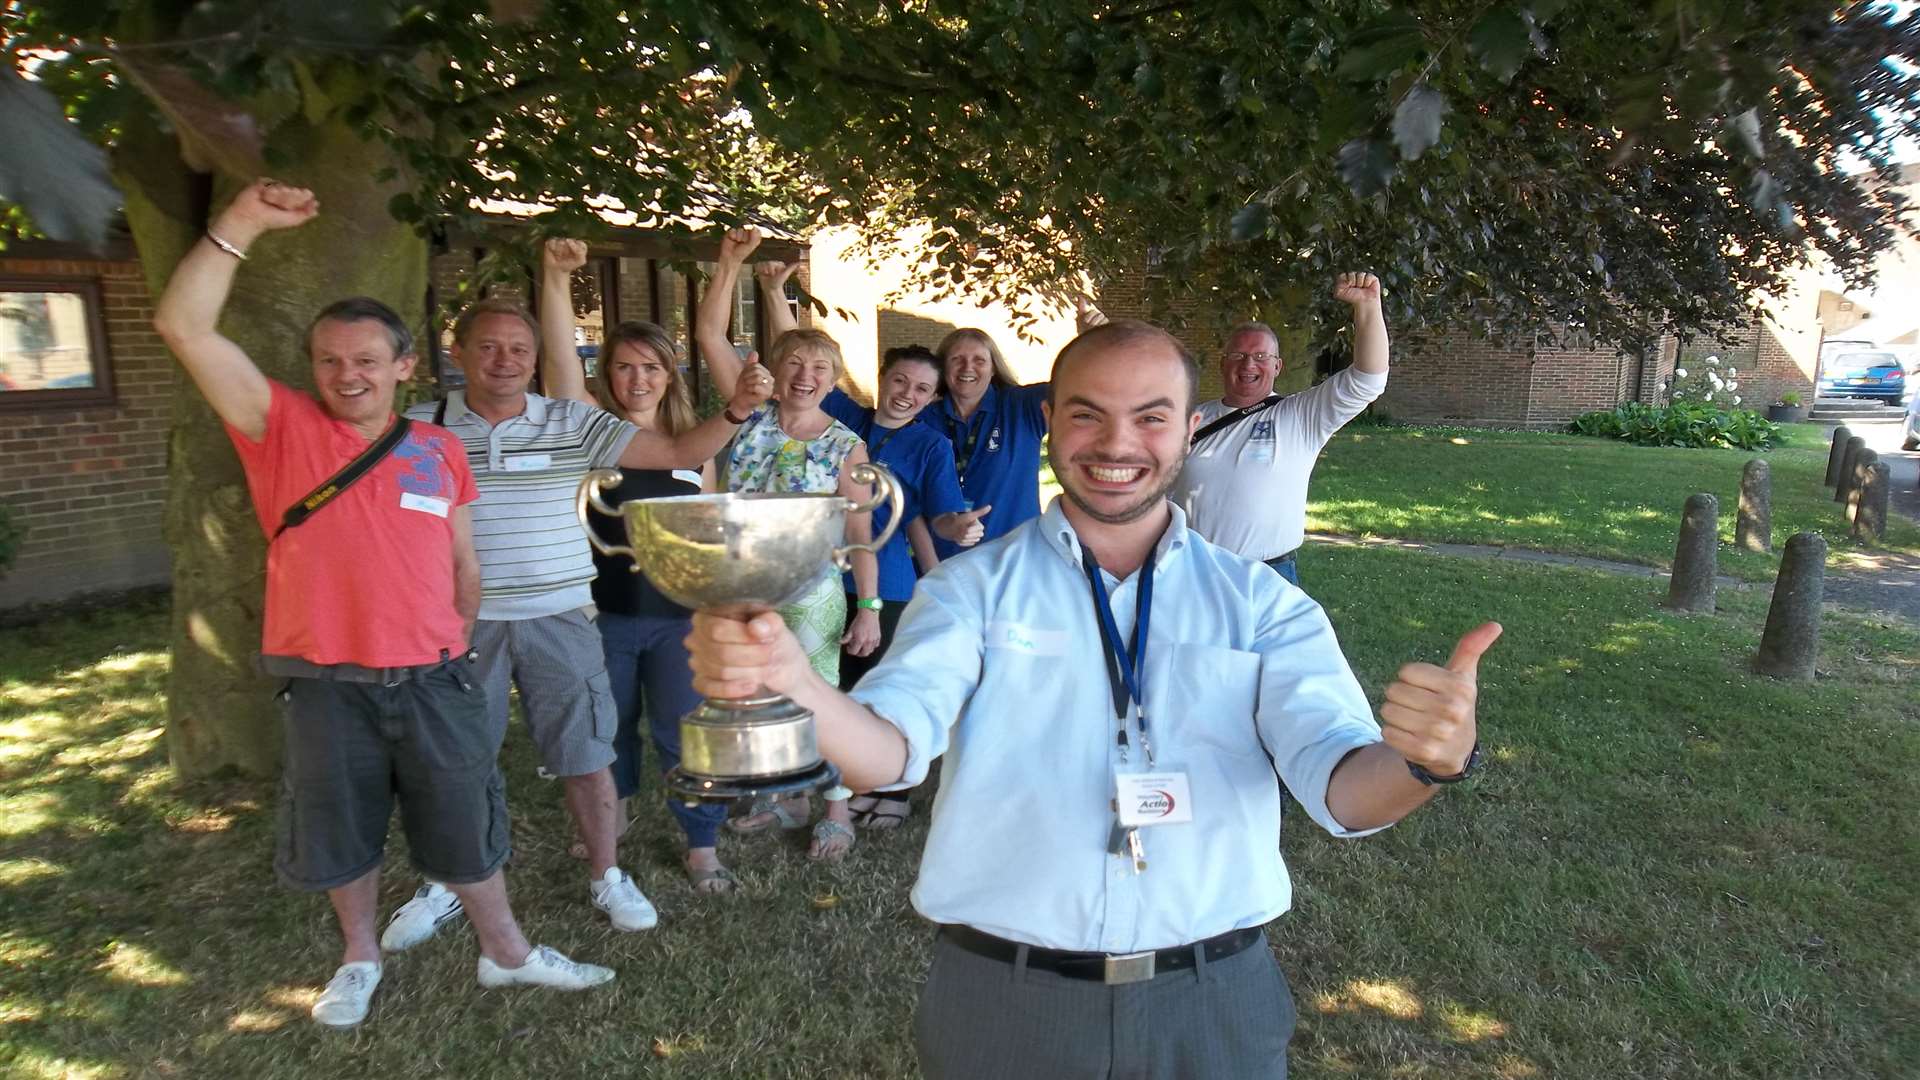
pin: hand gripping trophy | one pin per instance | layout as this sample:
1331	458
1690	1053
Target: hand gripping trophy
738	555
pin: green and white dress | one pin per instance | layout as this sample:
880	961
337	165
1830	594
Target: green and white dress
764	458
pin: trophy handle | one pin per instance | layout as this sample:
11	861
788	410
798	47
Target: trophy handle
589	496
885	490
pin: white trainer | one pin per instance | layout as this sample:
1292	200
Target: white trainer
546	967
348	996
617	895
420	918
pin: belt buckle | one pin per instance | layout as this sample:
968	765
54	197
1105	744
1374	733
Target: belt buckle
1129	968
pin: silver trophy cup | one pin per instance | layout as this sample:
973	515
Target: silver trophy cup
739	555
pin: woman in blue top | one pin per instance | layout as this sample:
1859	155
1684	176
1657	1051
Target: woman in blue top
996	428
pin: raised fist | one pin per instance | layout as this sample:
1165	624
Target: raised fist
738	244
1356	289
563	255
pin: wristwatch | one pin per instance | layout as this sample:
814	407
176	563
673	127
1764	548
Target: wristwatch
871	603
1473	761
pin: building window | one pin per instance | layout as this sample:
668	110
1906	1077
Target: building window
53	344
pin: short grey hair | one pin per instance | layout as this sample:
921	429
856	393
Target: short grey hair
1254	326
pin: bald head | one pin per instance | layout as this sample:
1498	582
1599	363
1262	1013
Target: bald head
1120	341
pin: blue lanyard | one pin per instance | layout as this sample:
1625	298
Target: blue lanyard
1126	666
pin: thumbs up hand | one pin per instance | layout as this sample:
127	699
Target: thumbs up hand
1428	717
963	528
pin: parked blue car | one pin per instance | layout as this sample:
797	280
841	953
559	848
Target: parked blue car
1866	375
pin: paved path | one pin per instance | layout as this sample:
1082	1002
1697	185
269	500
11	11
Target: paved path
1878	582
1891	586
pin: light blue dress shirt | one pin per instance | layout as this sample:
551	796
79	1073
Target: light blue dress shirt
997	664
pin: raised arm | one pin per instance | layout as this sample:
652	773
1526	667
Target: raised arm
1361	292
188	313
716	308
772	277
561	373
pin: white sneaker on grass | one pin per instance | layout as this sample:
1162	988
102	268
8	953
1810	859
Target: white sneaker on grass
420	918
544	967
617	895
348	996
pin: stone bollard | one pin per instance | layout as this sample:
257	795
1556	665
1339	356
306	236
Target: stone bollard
1791	642
1753	531
1870	503
1863	463
1693	559
1837	454
1855	447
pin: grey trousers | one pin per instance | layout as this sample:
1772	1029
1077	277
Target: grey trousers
983	1019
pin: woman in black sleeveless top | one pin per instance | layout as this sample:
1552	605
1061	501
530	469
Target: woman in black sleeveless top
641	630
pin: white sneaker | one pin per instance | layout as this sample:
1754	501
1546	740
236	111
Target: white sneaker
544	967
621	899
420	918
348	996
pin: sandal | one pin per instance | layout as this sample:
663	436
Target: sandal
715	882
764	814
885	814
831	841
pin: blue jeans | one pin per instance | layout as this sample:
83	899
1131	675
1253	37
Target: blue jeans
1285	567
647	665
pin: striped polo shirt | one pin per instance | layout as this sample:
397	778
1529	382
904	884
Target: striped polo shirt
534	558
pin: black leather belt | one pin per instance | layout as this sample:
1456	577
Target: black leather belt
1104	967
1278	559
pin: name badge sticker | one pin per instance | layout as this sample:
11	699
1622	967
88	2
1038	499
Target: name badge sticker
1154	798
426	504
526	462
1021	638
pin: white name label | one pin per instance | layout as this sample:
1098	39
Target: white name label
426	504
526	462
1157	798
1033	641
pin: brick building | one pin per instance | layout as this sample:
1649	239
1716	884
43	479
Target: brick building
83	422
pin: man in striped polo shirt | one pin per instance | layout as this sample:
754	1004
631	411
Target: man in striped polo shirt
528	454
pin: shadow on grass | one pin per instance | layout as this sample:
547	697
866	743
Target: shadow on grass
1668	868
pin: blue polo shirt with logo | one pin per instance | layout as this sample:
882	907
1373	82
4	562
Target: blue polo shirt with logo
922	460
997	454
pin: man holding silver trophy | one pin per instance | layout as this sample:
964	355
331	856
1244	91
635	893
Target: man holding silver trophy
1117	701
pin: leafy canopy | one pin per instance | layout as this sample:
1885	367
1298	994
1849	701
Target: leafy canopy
1616	167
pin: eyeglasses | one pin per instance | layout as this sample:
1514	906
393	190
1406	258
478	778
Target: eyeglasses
1256	357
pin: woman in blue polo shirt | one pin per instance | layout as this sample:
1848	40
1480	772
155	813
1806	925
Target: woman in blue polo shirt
996	429
922	461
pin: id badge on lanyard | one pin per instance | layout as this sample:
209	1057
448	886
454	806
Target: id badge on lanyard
1143	798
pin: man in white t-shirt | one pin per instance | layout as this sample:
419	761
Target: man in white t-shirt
1245	484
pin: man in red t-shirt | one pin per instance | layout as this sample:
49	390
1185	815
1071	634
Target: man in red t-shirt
370	604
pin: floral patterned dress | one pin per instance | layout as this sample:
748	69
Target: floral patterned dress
764	458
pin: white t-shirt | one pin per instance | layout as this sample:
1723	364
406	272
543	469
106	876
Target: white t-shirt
1245	486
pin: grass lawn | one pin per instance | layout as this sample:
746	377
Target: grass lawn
1670	868
1570	494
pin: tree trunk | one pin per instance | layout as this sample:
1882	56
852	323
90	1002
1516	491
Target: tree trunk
1290	313
220	712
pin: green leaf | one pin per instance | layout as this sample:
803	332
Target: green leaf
1250	222
1416	123
49	168
1381	50
1366	165
1501	41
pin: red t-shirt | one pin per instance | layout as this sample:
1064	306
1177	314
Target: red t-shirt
368	578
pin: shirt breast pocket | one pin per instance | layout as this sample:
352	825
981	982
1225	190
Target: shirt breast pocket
1211	695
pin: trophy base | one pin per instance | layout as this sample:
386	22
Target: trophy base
693	789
